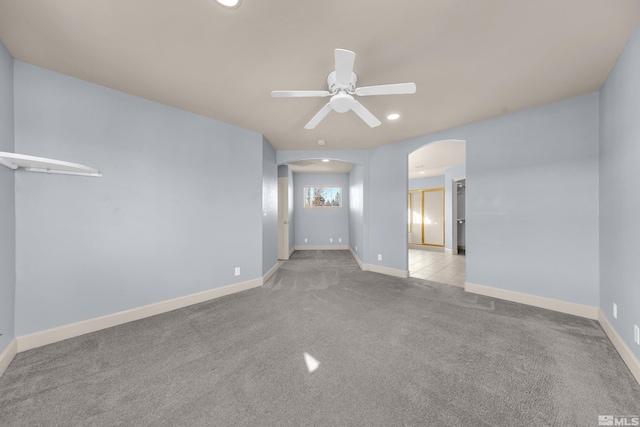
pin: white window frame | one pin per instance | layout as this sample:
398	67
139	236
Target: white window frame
304	197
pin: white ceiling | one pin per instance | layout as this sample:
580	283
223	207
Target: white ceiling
471	60
434	159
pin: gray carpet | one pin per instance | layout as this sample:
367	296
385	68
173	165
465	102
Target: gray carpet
392	352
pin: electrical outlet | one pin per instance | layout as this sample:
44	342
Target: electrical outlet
237	271
636	334
379	257
306	240
615	310
331	239
339	239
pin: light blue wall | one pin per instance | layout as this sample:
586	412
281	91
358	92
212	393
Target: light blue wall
269	206
356	209
386	205
179	205
455	172
426	182
532	199
620	192
7	204
318	225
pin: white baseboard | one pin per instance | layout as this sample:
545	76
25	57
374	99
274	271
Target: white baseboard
321	248
7	355
448	251
270	272
293	249
378	268
386	270
623	349
534	300
49	336
355	256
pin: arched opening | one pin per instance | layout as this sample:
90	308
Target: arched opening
314	205
436	223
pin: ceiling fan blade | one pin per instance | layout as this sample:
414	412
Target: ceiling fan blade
344	66
393	89
299	93
318	117
365	114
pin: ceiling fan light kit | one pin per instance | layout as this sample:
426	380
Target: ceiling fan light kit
342	86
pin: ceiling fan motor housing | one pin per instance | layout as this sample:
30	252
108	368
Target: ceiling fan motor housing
335	88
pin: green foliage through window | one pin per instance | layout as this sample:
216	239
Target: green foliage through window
322	197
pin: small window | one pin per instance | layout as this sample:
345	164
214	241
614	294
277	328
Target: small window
316	196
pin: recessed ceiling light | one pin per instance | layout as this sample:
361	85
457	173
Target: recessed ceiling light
325	160
321	142
231	4
394	116
421	172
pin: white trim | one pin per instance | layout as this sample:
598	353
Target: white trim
321	248
549	303
270	272
448	251
386	270
379	269
7	355
355	256
293	249
49	336
623	349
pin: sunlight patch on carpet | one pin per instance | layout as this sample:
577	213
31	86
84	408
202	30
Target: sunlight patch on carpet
312	363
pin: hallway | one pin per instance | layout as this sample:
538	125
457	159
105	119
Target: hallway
437	267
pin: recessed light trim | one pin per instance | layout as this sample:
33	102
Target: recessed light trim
421	172
394	116
321	142
325	160
229	4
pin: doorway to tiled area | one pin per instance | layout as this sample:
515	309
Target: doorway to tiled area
437	267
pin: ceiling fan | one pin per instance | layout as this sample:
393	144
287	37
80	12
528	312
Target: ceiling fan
342	87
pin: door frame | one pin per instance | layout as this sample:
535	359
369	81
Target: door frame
454	216
285	252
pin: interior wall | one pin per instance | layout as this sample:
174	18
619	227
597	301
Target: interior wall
177	209
619	192
532	200
454	172
269	207
319	225
7	204
356	209
426	182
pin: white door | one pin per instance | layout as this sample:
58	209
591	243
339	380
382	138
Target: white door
283	218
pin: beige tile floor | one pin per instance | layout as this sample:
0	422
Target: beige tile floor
437	267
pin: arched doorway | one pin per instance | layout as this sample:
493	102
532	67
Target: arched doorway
436	172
